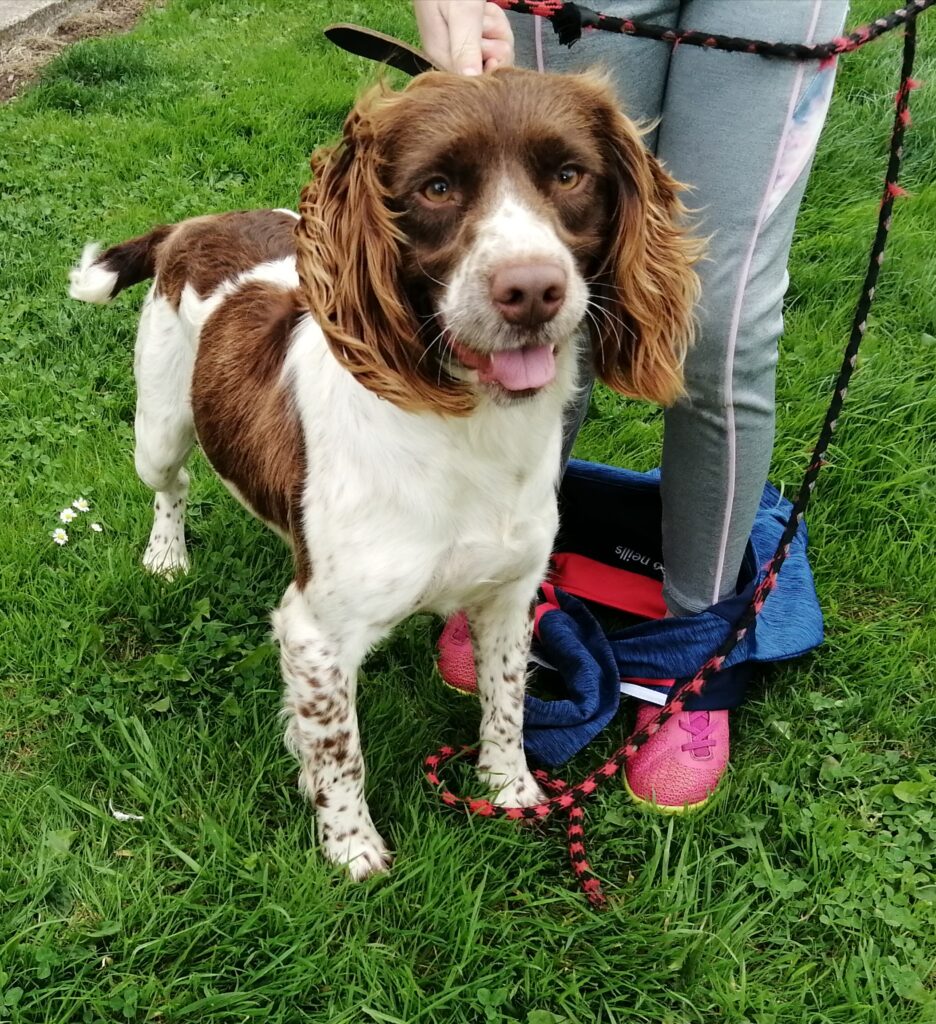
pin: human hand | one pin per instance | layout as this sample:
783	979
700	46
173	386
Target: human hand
464	36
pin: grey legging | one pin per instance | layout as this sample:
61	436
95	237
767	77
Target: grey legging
741	130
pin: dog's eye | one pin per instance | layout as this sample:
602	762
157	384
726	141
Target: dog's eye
438	191
568	177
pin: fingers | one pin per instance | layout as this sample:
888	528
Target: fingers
464	36
465	26
451	33
433	31
497	42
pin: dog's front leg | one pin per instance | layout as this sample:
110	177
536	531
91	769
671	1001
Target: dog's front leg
502	630
320	673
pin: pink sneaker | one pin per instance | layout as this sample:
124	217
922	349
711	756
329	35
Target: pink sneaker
456	656
678	768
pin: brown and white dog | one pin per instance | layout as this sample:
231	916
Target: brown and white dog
382	381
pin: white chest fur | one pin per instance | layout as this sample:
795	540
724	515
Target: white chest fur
408	511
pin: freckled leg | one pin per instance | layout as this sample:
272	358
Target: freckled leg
502	630
320	675
166	553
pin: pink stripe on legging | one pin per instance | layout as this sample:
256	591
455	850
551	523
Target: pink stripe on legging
538	38
736	315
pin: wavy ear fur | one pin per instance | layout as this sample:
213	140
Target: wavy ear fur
350	257
648	288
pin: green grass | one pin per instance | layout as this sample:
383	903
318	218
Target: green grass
806	892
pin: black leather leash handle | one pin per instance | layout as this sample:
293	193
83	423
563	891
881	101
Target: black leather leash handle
377	46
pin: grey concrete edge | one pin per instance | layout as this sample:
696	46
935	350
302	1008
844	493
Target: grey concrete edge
38	18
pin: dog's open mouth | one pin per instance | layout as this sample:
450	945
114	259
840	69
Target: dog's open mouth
517	369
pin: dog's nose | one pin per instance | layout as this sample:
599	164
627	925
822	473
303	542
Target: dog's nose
529	293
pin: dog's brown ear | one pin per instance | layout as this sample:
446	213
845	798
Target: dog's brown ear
648	288
350	257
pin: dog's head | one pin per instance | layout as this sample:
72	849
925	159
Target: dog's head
460	231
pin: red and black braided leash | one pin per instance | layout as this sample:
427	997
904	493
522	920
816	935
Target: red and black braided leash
570	19
568	799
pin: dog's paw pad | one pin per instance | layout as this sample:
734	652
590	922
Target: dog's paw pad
364	853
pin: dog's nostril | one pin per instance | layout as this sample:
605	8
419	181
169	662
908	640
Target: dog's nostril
529	293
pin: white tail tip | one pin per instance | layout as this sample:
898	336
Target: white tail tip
90	282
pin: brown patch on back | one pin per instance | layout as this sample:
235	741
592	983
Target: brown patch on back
207	251
244	416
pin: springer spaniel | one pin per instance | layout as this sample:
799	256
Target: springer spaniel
382	380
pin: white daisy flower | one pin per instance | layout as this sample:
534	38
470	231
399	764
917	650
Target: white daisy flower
97	527
60	536
81	504
67	515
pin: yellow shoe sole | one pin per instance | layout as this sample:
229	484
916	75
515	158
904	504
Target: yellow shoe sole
470	694
650	805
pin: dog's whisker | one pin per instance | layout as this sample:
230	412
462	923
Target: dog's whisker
610	317
426	350
429	276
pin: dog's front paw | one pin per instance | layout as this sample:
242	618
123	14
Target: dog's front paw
166	556
523	791
361	850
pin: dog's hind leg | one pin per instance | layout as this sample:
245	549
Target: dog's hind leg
165	434
320	669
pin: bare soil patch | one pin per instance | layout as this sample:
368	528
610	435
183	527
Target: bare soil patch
21	62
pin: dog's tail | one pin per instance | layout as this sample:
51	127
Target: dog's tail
102	275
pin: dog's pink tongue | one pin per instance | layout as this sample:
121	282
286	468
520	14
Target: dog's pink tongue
521	369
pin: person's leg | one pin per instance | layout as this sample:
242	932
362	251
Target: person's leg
731	126
639	69
741	130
